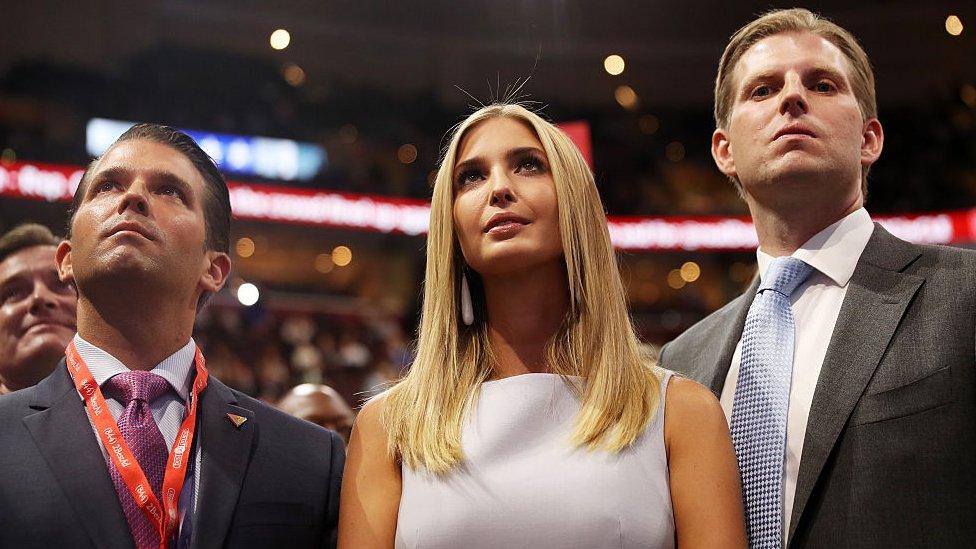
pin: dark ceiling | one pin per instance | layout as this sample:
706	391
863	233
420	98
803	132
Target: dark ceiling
435	47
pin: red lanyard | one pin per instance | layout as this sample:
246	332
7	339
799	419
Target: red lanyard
125	463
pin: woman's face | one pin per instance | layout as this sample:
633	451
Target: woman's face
505	210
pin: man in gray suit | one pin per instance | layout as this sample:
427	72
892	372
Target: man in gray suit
874	430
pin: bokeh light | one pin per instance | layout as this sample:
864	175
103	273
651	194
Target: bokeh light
245	247
248	294
341	256
614	65
280	39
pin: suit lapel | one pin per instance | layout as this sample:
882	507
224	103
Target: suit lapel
64	436
716	359
877	298
226	451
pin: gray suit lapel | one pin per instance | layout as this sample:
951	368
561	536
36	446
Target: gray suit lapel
714	365
226	452
877	297
64	436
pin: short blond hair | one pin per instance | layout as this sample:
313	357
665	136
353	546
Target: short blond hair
795	20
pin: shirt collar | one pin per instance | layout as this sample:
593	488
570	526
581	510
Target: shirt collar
835	250
175	368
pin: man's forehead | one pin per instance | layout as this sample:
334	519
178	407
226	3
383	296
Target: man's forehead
789	50
135	155
27	259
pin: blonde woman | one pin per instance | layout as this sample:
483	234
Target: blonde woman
530	417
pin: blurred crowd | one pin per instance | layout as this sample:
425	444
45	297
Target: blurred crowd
264	354
648	161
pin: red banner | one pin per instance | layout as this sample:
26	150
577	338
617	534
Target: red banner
281	204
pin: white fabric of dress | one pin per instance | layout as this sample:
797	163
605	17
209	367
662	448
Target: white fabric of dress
523	483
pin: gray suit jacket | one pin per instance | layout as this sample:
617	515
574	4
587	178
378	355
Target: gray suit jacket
889	457
273	481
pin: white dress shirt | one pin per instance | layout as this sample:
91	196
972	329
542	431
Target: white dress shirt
169	409
833	253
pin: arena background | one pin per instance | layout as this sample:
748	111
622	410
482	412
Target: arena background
330	136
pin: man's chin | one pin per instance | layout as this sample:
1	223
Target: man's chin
34	364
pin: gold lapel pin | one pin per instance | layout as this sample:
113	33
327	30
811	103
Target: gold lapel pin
236	420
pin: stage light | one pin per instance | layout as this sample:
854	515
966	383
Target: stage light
407	153
675	280
294	74
342	256
649	124
614	65
280	39
626	97
690	271
248	294
675	151
953	25
245	247
324	263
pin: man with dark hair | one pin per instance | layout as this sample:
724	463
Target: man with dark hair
37	309
847	369
320	404
130	441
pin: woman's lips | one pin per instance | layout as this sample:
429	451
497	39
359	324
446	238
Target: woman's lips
506	228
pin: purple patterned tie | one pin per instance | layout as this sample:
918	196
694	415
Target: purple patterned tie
136	390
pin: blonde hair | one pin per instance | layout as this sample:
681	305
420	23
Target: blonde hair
795	20
423	414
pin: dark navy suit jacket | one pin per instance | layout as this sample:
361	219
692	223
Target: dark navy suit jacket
273	481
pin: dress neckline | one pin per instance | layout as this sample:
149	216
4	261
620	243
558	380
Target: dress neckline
527	377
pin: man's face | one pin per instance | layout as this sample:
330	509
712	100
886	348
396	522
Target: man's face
142	217
795	121
324	410
37	316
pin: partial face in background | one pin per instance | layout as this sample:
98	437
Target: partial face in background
322	406
37	316
142	217
795	120
505	210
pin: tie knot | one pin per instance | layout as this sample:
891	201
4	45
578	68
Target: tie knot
785	274
136	385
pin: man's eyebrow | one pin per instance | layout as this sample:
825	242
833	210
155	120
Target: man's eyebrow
121	172
759	77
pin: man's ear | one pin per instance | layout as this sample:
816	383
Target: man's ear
216	272
62	256
722	153
872	141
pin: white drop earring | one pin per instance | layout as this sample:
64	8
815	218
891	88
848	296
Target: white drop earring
467	311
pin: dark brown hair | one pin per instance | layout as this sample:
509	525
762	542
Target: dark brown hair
25	236
216	205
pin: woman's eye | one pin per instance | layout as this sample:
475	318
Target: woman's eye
469	176
761	91
530	165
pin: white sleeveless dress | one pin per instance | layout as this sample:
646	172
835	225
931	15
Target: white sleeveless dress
523	484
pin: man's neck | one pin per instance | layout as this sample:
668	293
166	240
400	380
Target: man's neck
140	335
783	228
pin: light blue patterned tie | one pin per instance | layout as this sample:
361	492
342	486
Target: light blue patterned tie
762	399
